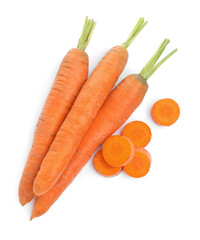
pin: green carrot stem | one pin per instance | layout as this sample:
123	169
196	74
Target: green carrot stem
161	62
137	29
150	67
86	34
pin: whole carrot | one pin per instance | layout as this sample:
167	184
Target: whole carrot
84	110
72	74
117	108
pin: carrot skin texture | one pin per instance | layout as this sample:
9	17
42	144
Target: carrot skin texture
72	74
117	108
76	124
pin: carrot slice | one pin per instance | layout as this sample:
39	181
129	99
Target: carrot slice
165	112
117	150
103	167
138	132
139	165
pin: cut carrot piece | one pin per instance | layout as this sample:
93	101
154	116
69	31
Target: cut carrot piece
103	167
139	165
138	132
165	112
118	150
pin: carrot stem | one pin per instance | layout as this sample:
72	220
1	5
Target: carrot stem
162	61
151	65
137	29
86	34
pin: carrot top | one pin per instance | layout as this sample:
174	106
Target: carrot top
151	65
86	34
136	30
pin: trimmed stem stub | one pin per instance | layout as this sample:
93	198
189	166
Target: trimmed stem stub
151	65
86	34
137	29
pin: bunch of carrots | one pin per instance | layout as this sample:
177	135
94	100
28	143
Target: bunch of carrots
79	114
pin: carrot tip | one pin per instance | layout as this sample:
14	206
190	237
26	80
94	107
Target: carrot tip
23	202
32	216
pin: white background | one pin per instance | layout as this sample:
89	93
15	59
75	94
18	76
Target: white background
35	35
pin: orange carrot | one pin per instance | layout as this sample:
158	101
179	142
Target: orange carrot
140	164
103	167
138	132
117	150
117	108
72	74
165	112
83	112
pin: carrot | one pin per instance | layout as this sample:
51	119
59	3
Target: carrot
138	132
103	167
72	74
117	150
165	112
119	105
83	112
140	164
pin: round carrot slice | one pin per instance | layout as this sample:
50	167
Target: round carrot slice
138	132
117	150
103	167
139	165
165	112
